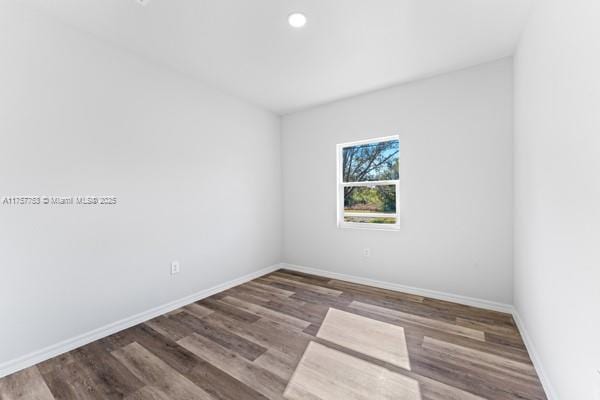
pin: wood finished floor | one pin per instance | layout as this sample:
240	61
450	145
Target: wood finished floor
270	339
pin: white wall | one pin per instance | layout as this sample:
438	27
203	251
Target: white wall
196	173
455	175
557	192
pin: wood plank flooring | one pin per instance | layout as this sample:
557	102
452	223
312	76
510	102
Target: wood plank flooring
292	336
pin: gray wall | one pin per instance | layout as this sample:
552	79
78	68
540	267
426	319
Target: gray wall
196	173
455	184
557	192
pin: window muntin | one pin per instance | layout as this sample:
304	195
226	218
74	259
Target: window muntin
368	184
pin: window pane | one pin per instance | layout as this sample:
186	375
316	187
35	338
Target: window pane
362	199
371	220
371	162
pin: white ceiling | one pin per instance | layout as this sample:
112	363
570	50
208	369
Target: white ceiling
347	47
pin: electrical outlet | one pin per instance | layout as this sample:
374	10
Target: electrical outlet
367	252
175	267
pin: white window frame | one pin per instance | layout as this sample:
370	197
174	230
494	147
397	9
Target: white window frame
341	185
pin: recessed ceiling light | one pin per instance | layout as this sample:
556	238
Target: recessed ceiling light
143	2
297	20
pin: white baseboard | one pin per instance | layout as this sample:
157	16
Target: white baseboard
455	298
44	354
535	358
54	350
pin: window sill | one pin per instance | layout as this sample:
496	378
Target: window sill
369	227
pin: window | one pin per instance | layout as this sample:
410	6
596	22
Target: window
368	184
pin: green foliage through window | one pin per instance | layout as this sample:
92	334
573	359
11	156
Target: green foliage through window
379	199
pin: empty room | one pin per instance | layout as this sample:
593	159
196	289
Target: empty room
299	199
